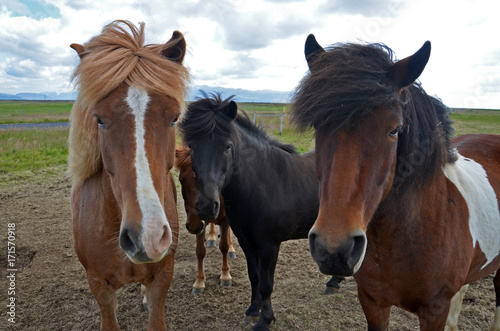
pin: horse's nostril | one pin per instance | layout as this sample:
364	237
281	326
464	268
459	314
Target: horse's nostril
196	231
358	250
312	238
165	239
312	243
126	242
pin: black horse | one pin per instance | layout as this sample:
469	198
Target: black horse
270	192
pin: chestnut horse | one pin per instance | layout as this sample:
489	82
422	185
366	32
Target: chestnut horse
121	150
411	213
196	226
270	191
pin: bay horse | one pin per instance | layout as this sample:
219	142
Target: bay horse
121	150
270	191
197	226
410	212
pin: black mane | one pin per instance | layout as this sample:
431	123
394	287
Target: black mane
205	118
349	81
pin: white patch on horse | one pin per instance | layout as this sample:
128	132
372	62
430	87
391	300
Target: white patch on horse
484	216
455	308
153	215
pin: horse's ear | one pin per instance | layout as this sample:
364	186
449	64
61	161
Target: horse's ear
231	110
312	50
407	70
175	48
79	49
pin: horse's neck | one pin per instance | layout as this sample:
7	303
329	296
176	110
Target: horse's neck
245	162
269	167
249	165
402	212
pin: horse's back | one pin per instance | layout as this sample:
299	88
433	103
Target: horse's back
485	150
486	144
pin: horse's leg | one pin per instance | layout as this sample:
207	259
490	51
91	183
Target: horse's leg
108	304
455	307
269	257
156	292
376	316
144	298
433	317
212	236
496	322
231	252
225	278
252	313
332	286
199	284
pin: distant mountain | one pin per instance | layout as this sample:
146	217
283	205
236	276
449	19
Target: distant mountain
193	93
33	96
61	96
4	96
38	96
240	94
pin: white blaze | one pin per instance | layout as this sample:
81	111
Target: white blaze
484	216
153	215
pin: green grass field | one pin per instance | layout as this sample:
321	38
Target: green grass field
34	111
264	107
476	122
31	152
21	150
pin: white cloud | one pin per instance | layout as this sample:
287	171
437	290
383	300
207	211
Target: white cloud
259	44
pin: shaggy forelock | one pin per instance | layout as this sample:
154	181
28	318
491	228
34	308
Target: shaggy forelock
204	117
348	81
117	55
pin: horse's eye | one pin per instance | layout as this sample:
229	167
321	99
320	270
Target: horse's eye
228	148
394	133
100	122
174	122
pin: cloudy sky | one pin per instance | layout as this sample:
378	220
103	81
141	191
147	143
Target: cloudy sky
259	44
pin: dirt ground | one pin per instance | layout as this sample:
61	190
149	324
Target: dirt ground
51	290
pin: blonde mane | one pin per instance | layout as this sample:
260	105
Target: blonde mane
115	56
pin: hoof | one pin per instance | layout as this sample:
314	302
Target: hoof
211	243
226	283
145	307
330	290
198	290
231	255
250	319
262	325
261	328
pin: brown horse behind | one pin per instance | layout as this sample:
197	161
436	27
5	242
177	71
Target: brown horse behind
121	148
196	226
